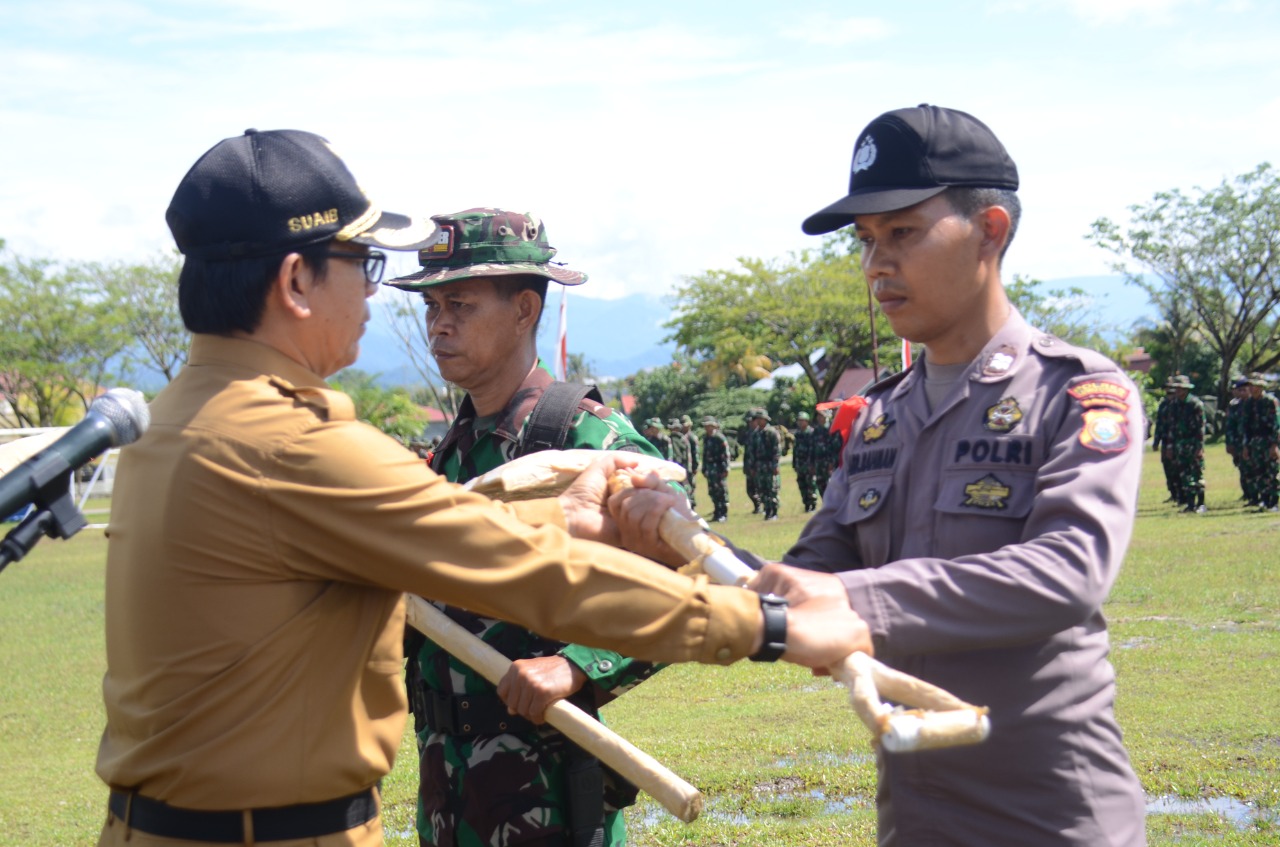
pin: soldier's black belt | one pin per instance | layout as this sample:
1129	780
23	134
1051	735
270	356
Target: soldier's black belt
469	715
285	823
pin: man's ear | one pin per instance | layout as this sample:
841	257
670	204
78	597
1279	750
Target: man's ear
292	288
528	309
994	222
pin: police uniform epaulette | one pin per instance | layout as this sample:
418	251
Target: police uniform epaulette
1052	347
328	404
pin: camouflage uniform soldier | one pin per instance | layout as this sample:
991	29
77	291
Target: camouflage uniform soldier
805	458
1261	448
829	445
1233	435
489	777
764	447
686	425
1185	443
680	450
715	467
1161	437
659	439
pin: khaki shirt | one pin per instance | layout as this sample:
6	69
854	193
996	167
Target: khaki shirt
260	542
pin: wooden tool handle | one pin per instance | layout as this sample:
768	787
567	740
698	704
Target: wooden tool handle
642	770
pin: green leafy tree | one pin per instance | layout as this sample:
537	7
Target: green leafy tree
783	310
60	331
1069	313
579	369
147	293
667	391
1215	250
391	410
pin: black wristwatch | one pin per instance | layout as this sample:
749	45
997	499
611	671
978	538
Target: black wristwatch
774	645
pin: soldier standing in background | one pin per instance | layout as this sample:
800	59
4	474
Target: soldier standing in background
804	458
1233	434
691	482
764	448
680	451
1184	443
828	446
715	467
1261	446
659	439
1160	438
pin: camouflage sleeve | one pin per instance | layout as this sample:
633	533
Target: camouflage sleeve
609	671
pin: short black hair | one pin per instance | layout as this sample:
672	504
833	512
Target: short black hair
968	201
509	285
221	297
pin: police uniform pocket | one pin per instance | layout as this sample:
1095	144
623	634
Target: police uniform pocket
867	496
986	492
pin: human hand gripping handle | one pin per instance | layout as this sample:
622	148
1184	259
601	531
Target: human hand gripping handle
939	720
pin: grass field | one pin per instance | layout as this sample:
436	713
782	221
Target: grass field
1195	621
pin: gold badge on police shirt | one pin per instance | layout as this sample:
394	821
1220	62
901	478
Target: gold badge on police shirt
1004	415
875	430
987	493
869	498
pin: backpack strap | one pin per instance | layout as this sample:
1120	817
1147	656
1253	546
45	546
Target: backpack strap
549	422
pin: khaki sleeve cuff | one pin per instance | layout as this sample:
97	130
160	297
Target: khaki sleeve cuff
733	626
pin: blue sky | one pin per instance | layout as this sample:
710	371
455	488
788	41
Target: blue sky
655	139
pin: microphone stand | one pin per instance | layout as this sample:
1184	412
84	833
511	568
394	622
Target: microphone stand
55	513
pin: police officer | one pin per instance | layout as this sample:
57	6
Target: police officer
262	539
484	298
715	467
982	508
763	452
1184	443
805	458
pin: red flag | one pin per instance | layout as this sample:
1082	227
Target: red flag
906	354
846	413
562	343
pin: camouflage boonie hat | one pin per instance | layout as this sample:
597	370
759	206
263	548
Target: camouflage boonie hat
486	242
654	422
710	421
1258	380
673	423
686	420
1179	381
758	413
803	416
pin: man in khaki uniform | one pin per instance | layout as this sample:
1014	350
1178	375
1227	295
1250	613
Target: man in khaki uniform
261	538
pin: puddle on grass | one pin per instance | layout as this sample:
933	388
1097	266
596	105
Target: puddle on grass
654	815
787	762
1240	814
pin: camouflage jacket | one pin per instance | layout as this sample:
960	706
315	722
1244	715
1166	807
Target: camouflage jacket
808	450
715	455
525	769
764	447
1259	419
679	449
1186	421
661	442
1233	425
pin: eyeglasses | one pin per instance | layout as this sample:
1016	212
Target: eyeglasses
375	262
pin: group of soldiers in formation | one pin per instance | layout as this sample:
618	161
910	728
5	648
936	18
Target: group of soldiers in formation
814	450
1251	431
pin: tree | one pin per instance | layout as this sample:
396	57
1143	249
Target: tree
580	370
1068	313
784	310
668	391
409	326
59	333
1215	251
391	410
148	294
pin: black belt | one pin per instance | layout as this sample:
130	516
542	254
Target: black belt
306	820
470	715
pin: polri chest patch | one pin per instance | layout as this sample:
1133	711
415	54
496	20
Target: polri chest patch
876	430
987	493
1003	416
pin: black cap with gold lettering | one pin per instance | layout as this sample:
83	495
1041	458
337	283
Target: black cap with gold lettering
271	192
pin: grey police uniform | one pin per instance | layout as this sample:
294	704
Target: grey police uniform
979	541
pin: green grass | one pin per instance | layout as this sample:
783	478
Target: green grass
1195	620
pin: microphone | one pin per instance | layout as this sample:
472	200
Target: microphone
115	419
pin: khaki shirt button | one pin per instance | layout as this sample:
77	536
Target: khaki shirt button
723	654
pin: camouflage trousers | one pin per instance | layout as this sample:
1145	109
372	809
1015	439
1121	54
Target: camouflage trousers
1188	463
821	476
691	487
1260	470
718	488
807	484
766	482
1170	467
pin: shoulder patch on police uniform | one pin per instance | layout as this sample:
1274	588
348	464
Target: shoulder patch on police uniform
987	493
329	404
1004	415
1104	430
1100	392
